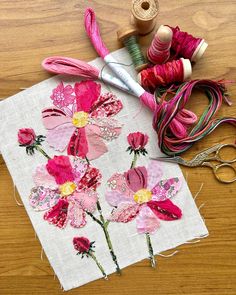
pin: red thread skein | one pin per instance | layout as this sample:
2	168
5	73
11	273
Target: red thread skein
168	73
187	46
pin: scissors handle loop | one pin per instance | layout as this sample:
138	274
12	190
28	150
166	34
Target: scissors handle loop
217	169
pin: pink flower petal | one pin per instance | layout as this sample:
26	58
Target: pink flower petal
106	105
54	117
86	199
96	146
155	172
118	183
114	198
62	96
79	168
78	145
90	180
59	137
57	215
76	215
165	210
136	178
41	177
166	189
42	198
146	221
60	168
125	212
107	128
87	92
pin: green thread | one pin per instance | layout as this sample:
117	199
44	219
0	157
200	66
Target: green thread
135	51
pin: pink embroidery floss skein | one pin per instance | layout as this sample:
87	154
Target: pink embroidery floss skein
187	46
168	73
159	50
146	98
76	67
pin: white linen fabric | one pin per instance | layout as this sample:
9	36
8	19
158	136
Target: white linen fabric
24	110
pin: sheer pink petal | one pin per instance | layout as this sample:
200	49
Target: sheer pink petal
166	189
87	92
114	198
57	215
54	117
146	221
76	215
165	210
106	105
42	198
79	168
96	146
118	183
43	178
107	128
125	212
78	145
86	199
136	178
59	137
155	172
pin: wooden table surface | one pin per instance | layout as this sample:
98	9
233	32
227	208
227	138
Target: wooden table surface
34	29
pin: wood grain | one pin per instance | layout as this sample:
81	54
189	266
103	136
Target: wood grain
32	30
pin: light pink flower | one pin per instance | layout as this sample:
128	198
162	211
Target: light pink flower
64	188
134	194
82	126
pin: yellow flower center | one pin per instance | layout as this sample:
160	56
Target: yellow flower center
142	196
67	188
80	119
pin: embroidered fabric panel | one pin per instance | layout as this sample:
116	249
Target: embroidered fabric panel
67	214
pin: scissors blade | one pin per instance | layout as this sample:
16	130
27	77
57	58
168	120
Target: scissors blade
177	160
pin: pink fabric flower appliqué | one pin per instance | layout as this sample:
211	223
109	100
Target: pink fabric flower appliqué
134	194
66	189
82	119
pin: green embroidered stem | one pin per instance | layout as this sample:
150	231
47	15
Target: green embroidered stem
94	218
150	250
107	236
99	265
133	164
39	149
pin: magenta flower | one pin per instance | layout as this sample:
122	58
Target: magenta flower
66	189
81	121
134	195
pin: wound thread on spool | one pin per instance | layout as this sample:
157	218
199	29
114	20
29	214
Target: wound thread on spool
187	46
144	13
128	36
168	73
159	50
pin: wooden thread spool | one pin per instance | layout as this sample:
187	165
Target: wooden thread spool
128	36
144	13
159	50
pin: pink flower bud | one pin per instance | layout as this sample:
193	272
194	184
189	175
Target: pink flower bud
137	140
81	244
26	136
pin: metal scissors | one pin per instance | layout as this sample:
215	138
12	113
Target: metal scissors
204	158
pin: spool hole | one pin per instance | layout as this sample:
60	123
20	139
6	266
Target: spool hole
145	5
